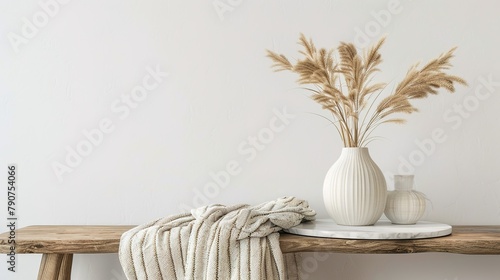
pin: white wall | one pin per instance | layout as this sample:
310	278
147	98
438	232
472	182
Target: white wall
71	73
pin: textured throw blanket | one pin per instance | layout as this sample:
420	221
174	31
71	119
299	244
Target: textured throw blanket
215	242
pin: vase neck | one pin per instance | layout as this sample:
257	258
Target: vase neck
355	150
403	182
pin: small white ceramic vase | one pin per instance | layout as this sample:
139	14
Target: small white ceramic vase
404	205
354	190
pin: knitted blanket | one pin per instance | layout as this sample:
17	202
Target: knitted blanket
215	242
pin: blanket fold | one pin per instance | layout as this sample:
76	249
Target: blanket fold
215	242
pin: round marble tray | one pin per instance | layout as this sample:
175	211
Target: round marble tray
381	230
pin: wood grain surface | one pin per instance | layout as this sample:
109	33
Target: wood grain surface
481	240
65	239
105	239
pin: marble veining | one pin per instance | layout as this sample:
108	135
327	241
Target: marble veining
383	229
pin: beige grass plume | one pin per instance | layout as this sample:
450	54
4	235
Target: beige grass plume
342	86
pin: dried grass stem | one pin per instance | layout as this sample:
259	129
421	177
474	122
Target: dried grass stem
343	85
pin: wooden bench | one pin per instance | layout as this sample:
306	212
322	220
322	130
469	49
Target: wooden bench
59	243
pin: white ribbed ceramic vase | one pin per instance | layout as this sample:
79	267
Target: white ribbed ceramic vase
404	206
354	190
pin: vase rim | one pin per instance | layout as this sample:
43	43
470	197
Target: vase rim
354	148
404	175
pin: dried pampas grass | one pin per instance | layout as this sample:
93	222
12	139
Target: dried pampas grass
343	86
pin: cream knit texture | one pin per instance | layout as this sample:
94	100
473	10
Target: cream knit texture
215	242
